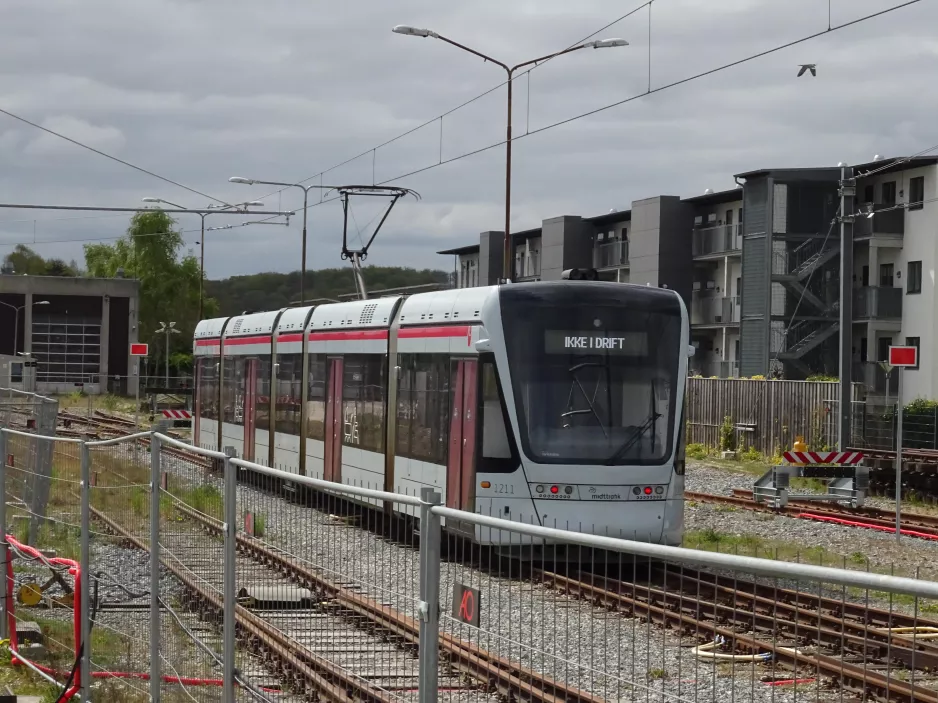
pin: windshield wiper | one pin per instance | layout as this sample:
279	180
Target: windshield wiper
636	435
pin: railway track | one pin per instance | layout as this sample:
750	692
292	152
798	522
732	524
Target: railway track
913	524
848	644
368	656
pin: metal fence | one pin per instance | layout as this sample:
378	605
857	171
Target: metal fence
220	579
765	414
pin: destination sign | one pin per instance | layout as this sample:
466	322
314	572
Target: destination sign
610	343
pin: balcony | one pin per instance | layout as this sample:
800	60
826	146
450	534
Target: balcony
722	239
715	369
611	254
889	223
872	375
714	310
876	303
529	269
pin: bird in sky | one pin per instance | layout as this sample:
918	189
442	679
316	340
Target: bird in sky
807	67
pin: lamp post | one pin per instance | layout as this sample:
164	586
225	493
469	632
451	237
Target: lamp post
168	329
16	323
305	189
238	207
510	70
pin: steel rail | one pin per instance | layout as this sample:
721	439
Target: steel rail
508	677
742	498
853	677
327	678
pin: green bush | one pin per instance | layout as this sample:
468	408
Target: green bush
822	377
919	423
696	451
727	435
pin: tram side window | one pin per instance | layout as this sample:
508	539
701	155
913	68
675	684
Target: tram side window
208	388
498	453
262	399
423	410
287	393
233	390
316	403
363	402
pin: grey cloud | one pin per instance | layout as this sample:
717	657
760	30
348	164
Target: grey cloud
200	91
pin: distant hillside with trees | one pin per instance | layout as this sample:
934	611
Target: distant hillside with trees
272	291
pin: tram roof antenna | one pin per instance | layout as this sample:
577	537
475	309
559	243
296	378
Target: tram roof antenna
356	256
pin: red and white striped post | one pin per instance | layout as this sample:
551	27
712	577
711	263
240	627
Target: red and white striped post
900	357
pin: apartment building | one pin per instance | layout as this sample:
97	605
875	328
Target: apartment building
758	266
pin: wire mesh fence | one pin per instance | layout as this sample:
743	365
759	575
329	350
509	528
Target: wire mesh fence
222	580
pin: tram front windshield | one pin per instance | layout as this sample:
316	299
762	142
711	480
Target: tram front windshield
594	371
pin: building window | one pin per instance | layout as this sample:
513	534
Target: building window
882	350
915	342
889	193
914	279
698	220
885	275
868	193
916	193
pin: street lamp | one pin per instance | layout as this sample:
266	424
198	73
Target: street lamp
510	70
16	323
305	189
168	329
203	215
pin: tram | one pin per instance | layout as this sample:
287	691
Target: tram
552	403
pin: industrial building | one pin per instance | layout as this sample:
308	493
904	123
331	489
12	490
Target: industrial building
759	267
78	332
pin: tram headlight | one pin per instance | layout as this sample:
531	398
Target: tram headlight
636	490
659	490
647	490
540	489
555	489
568	490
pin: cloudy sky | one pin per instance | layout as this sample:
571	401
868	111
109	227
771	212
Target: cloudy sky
200	90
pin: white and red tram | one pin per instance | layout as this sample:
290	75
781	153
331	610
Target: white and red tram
557	403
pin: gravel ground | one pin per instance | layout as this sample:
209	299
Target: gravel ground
611	655
856	546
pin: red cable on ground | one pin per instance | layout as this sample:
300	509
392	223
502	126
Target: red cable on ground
74	569
788	682
866	525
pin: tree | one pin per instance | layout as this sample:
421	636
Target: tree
169	285
272	291
24	261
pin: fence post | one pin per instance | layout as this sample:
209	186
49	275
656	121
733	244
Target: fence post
231	551
155	634
428	686
4	546
85	571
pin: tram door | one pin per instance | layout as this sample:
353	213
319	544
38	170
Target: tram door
250	407
332	464
460	468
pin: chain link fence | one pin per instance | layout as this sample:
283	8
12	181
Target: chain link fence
193	575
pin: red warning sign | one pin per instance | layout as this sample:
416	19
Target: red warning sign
467	603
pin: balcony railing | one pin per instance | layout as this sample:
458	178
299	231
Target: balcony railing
609	254
887	223
872	375
721	239
714	310
877	303
528	269
715	369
